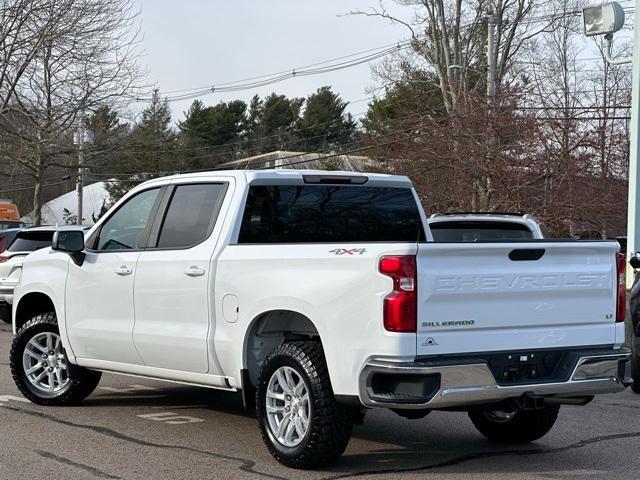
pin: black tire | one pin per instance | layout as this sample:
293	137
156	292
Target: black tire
525	426
330	424
635	369
81	381
5	313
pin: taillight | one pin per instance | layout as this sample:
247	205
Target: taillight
3	258
401	304
621	299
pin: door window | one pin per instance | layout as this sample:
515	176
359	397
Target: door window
124	230
191	214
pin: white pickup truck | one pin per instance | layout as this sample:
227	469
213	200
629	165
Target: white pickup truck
320	295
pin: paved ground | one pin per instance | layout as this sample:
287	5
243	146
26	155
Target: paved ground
138	429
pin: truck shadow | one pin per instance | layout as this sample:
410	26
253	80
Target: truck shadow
389	445
176	397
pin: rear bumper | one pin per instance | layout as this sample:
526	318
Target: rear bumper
460	382
6	294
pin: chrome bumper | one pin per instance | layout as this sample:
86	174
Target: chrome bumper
6	294
473	383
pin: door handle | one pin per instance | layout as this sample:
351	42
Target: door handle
194	271
124	270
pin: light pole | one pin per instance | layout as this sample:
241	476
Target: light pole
606	19
81	137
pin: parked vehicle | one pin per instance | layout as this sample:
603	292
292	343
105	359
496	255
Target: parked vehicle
11	225
634	310
23	243
485	226
319	295
8	212
6	237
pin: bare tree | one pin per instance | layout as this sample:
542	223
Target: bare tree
449	37
81	54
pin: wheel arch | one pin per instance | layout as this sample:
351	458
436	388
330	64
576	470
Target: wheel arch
30	305
267	331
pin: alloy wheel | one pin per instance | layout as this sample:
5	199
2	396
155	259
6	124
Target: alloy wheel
45	364
288	406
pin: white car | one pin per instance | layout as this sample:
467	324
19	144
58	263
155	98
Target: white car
320	295
25	242
485	226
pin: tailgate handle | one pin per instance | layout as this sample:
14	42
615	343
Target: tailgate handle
522	254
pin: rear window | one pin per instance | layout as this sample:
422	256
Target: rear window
478	231
330	214
30	241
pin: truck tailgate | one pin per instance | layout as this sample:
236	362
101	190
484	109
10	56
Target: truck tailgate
512	296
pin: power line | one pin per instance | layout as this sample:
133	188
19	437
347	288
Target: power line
382	47
270	79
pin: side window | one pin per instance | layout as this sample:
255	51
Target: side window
192	212
125	228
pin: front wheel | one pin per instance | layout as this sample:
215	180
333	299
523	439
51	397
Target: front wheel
516	426
39	365
301	423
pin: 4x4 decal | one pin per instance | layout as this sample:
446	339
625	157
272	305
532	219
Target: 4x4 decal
348	251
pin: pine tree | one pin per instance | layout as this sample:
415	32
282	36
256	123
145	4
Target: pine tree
325	124
150	150
279	117
214	134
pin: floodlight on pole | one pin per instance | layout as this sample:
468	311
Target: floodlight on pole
603	19
606	19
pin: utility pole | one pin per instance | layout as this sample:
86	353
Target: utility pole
80	182
484	186
633	225
491	58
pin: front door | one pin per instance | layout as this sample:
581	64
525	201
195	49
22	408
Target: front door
99	293
174	280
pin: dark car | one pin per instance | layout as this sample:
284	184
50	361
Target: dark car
634	309
11	224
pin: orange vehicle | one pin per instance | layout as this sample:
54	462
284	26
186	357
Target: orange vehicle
9	215
8	210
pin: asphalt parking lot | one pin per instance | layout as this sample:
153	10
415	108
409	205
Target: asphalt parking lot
134	428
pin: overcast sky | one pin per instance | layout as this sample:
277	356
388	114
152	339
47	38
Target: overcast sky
193	43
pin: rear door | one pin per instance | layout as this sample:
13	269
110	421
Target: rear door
480	297
174	279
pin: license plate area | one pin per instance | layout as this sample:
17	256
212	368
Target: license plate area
530	367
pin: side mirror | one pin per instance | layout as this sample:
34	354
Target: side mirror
634	261
70	242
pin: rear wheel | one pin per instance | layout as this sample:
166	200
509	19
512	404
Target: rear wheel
516	426
39	365
301	423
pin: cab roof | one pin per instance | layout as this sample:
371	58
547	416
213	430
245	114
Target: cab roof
288	176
